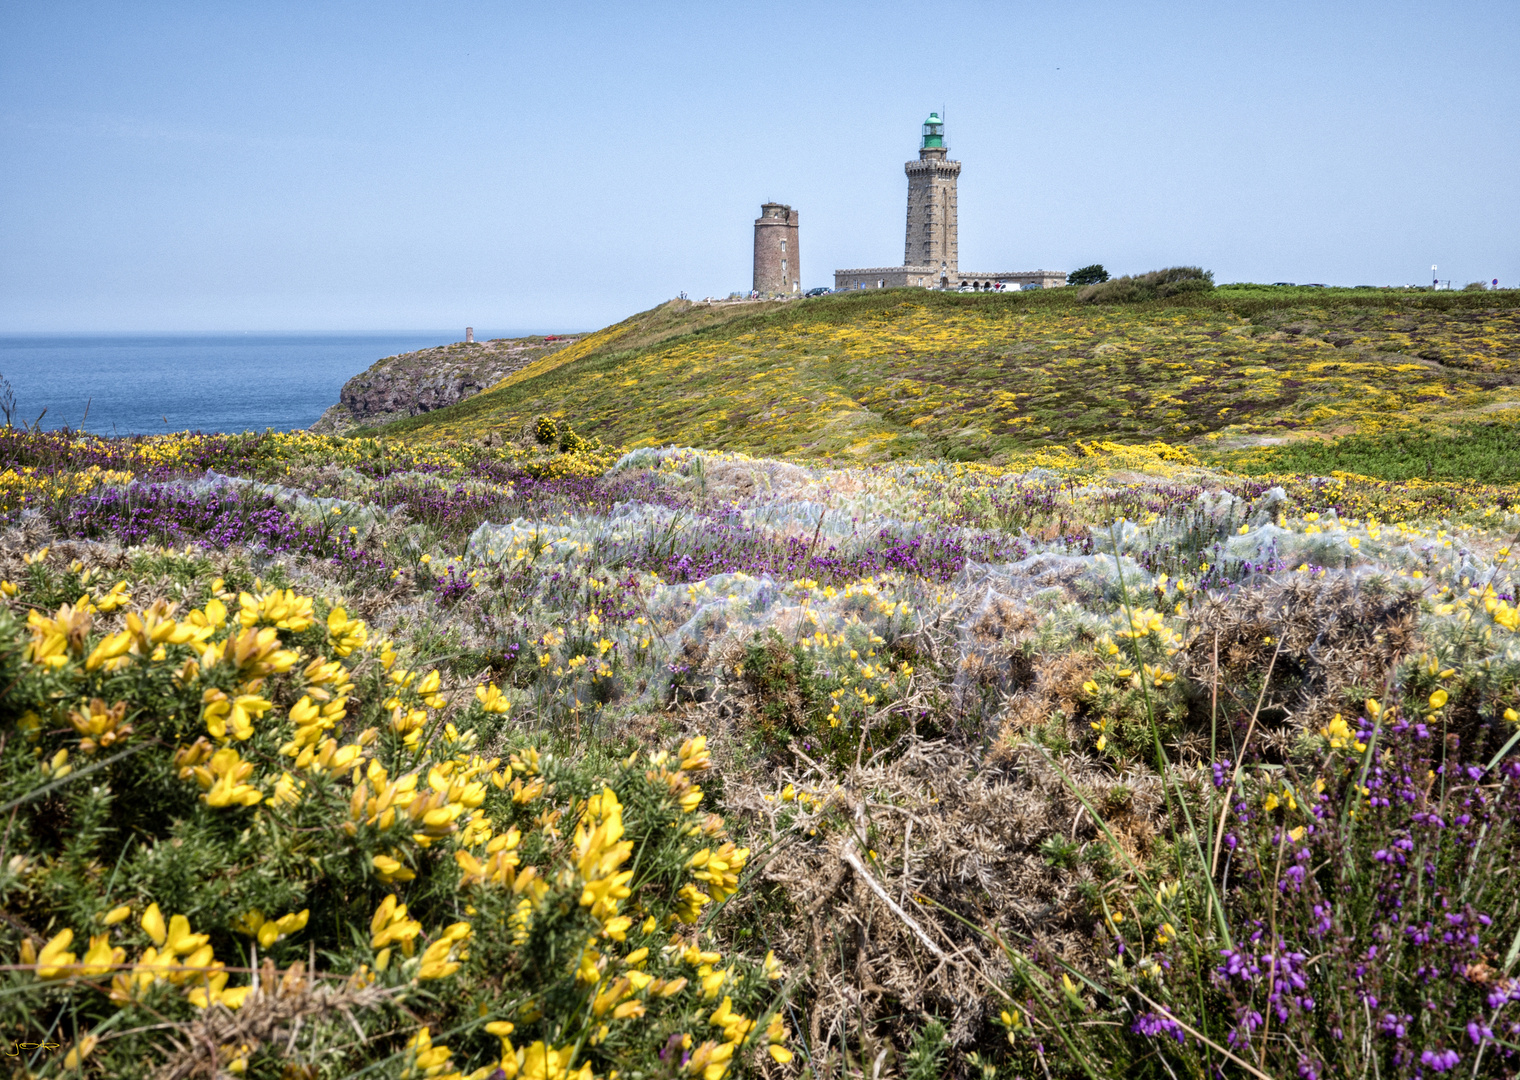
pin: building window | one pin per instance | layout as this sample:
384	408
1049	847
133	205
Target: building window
783	245
783	268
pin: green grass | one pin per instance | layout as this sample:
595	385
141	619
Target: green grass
905	373
1488	453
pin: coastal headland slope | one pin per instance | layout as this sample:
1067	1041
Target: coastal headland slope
412	383
909	374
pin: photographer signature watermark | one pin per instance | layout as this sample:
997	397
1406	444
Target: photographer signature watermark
14	1047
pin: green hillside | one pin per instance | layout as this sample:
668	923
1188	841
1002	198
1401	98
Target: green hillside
908	373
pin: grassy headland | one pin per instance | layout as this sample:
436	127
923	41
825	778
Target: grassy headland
910	374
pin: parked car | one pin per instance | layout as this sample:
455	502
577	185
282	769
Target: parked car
818	292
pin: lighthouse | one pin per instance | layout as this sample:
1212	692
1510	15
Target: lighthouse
931	237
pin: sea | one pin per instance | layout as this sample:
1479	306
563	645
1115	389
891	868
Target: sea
132	384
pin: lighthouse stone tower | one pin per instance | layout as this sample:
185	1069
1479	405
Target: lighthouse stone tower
931	239
931	253
778	269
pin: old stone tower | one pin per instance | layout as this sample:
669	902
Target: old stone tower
931	237
778	268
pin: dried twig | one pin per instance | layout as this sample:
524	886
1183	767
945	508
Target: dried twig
849	856
272	1014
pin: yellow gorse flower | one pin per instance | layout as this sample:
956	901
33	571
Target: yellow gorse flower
719	868
55	960
491	699
444	956
1285	798
231	717
118	596
599	849
223	780
101	727
269	931
1339	736
391	925
55	640
423	1058
500	865
344	635
280	608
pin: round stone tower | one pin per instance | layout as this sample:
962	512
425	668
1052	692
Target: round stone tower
931	239
778	269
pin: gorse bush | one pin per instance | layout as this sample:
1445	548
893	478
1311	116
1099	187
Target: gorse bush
1156	285
837	701
243	833
571	443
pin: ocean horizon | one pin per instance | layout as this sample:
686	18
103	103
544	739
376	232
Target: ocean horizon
139	383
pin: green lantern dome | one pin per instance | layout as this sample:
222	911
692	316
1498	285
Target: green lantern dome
934	132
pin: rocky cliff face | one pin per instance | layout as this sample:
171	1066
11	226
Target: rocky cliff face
419	382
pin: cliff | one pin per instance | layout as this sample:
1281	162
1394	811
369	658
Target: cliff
418	382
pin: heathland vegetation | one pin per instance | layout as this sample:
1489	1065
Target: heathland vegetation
1174	735
906	374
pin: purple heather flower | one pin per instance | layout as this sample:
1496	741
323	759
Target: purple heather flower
1440	1060
1152	1024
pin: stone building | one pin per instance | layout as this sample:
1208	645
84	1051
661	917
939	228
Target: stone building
931	253
778	270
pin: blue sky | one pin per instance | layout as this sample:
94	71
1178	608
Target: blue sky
365	166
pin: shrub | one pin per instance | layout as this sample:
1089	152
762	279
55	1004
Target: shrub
1156	285
546	431
1475	286
1349	922
572	443
206	801
784	685
1484	451
1088	275
927	1058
